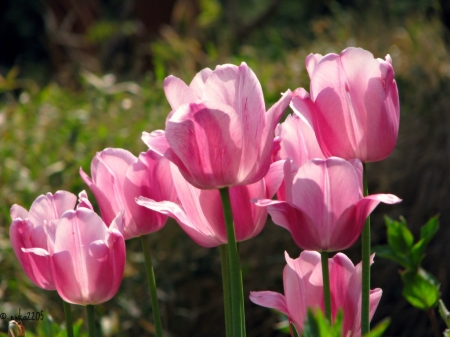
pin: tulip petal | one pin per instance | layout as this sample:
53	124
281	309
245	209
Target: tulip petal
208	136
149	177
178	93
270	299
50	207
198	82
311	62
18	211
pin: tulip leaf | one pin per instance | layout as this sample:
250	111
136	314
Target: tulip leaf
387	253
420	289
445	314
379	329
294	330
427	232
400	238
316	325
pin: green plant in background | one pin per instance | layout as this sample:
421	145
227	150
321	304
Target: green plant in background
420	288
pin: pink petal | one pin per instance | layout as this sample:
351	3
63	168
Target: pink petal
198	82
149	177
298	141
77	274
200	232
178	93
311	62
83	200
156	141
18	211
299	292
50	207
270	299
303	230
207	138
26	239
323	189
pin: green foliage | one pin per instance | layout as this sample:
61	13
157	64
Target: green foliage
420	288
379	329
445	314
316	325
401	247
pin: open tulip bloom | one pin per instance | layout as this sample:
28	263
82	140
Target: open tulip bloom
118	178
353	104
324	208
302	279
218	133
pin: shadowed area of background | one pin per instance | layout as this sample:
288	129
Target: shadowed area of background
80	76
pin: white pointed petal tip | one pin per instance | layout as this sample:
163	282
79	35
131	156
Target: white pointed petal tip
36	251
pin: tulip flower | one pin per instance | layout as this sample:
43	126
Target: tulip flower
302	279
36	229
324	208
354	104
218	133
118	178
200	213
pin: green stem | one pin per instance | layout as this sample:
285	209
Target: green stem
152	285
365	242
68	314
238	316
242	292
226	289
91	319
326	285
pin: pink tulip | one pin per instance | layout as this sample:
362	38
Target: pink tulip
324	208
36	229
298	142
303	289
200	213
88	258
354	104
218	133
118	178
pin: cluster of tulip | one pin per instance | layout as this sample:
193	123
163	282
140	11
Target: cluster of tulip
215	169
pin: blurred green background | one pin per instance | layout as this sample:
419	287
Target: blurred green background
77	77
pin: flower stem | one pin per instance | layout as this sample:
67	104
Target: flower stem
326	285
91	319
68	315
237	305
434	323
226	289
152	285
365	242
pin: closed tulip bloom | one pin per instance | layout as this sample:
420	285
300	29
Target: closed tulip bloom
354	104
218	133
200	213
303	289
324	208
118	178
36	229
87	259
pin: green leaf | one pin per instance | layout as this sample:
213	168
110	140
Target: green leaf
427	232
400	238
445	314
379	329
294	330
387	253
420	289
316	325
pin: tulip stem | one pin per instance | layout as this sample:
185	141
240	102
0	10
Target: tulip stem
226	289
237	305
68	315
91	319
365	243
152	285
326	285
